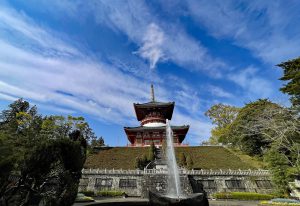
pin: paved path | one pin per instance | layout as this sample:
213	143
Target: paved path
211	202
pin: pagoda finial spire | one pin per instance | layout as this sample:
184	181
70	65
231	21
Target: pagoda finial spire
152	93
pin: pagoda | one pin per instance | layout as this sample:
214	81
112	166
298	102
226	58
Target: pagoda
152	116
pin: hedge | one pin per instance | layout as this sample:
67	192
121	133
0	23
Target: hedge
267	203
89	193
242	196
110	193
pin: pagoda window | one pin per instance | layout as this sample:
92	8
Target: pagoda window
138	135
156	135
146	135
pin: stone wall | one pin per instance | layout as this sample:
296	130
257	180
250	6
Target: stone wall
139	182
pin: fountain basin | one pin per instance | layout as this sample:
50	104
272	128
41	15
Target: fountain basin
197	199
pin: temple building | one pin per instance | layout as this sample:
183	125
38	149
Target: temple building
152	116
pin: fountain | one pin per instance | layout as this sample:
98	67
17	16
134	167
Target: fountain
174	194
174	187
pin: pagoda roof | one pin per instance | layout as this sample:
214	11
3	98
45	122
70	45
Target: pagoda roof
165	107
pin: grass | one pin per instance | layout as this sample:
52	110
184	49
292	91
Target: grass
116	158
204	157
110	193
215	157
251	160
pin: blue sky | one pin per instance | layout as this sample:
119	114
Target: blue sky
95	58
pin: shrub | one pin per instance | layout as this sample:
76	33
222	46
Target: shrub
110	193
82	198
151	155
243	196
88	192
189	162
269	203
182	159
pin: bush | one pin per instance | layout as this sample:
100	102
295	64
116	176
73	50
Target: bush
82	198
243	196
110	193
269	203
88	192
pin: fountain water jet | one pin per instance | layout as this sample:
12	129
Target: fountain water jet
174	186
174	193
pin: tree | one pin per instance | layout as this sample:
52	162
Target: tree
291	74
182	159
222	116
189	162
58	126
98	142
141	162
279	128
151	155
278	166
47	153
247	132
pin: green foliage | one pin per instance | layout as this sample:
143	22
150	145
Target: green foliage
291	74
116	157
38	147
97	142
242	196
110	193
182	159
142	162
88	192
213	157
271	203
7	160
278	165
222	116
84	199
151	155
189	162
247	132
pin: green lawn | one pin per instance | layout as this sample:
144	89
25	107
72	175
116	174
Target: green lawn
215	157
116	157
204	157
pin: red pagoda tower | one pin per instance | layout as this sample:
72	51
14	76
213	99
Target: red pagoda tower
152	116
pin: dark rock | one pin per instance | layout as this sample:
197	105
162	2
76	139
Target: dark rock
198	199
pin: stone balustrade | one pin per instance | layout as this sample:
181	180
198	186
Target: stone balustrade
219	172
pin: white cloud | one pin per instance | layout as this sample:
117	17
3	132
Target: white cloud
75	82
27	31
250	81
140	24
199	129
152	43
219	92
267	28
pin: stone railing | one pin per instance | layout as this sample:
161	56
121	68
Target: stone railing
219	172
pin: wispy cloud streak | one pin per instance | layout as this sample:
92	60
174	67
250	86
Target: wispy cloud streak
152	45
